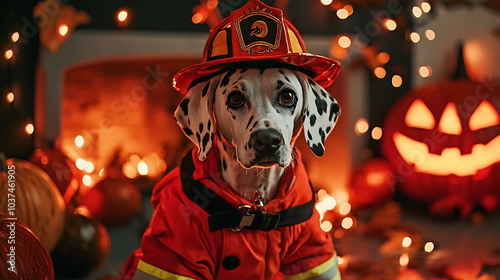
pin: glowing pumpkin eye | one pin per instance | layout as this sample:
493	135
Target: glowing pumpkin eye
484	116
450	122
419	116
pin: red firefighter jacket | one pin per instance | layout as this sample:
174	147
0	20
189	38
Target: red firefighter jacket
179	245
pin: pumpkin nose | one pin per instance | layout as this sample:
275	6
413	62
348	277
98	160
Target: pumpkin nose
266	141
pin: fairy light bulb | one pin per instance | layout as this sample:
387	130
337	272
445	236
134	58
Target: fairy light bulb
63	29
9	97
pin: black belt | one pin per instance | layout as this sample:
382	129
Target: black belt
225	215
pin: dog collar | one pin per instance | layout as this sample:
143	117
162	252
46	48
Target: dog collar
223	214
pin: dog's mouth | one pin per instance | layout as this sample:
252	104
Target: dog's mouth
266	162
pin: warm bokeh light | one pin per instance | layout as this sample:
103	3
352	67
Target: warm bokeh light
197	18
326	2
330	202
361	126
63	29
344	41
345	208
425	71
326	226
14	37
122	15
406	242
347	223
426	7
89	167
142	168
429	247
8	54
342	13
390	24
430	34
321	207
80	163
414	37
79	141
404	260
29	129
379	72
417	12
87	180
376	133
397	81
383	57
212	4
9	97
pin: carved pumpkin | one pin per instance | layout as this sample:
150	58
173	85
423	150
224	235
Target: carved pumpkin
443	140
34	199
21	251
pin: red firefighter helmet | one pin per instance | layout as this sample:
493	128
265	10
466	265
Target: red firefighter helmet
257	35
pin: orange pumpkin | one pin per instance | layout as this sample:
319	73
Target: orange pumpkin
21	251
30	196
443	140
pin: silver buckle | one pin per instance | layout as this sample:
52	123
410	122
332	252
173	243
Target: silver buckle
247	218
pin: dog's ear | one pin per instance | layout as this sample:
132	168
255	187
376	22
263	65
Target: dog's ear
195	116
320	115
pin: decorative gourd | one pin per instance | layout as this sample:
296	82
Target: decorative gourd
21	251
34	199
443	140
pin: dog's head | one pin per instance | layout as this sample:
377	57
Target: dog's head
260	112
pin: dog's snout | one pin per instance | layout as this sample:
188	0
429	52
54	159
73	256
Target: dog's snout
266	141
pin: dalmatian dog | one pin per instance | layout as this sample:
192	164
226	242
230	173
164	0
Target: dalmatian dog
253	117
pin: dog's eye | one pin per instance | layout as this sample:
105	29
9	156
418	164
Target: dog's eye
288	98
235	100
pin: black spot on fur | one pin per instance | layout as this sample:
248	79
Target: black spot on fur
224	92
209	125
205	90
224	165
312	120
284	75
322	134
279	85
206	138
318	149
249	122
261	70
324	94
187	131
311	82
254	125
198	137
227	78
243	70
328	129
243	87
184	106
309	135
321	105
334	110
200	127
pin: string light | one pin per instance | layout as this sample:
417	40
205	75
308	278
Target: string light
79	141
430	35
376	133
330	202
80	163
390	24
122	15
344	42
29	128
326	2
14	37
8	54
326	226
89	167
142	168
9	97
345	208
361	126
383	57
63	29
414	37
426	7
379	72
197	18
429	247
397	81
87	180
425	71
212	4
342	13
417	12
404	260
347	223
406	242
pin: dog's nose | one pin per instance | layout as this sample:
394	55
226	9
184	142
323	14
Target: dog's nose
266	141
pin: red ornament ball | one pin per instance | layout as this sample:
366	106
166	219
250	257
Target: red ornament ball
83	248
113	201
22	254
372	184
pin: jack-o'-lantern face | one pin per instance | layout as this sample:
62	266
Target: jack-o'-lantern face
451	160
443	140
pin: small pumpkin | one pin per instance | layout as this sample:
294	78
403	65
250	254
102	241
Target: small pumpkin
443	140
22	254
373	183
32	198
